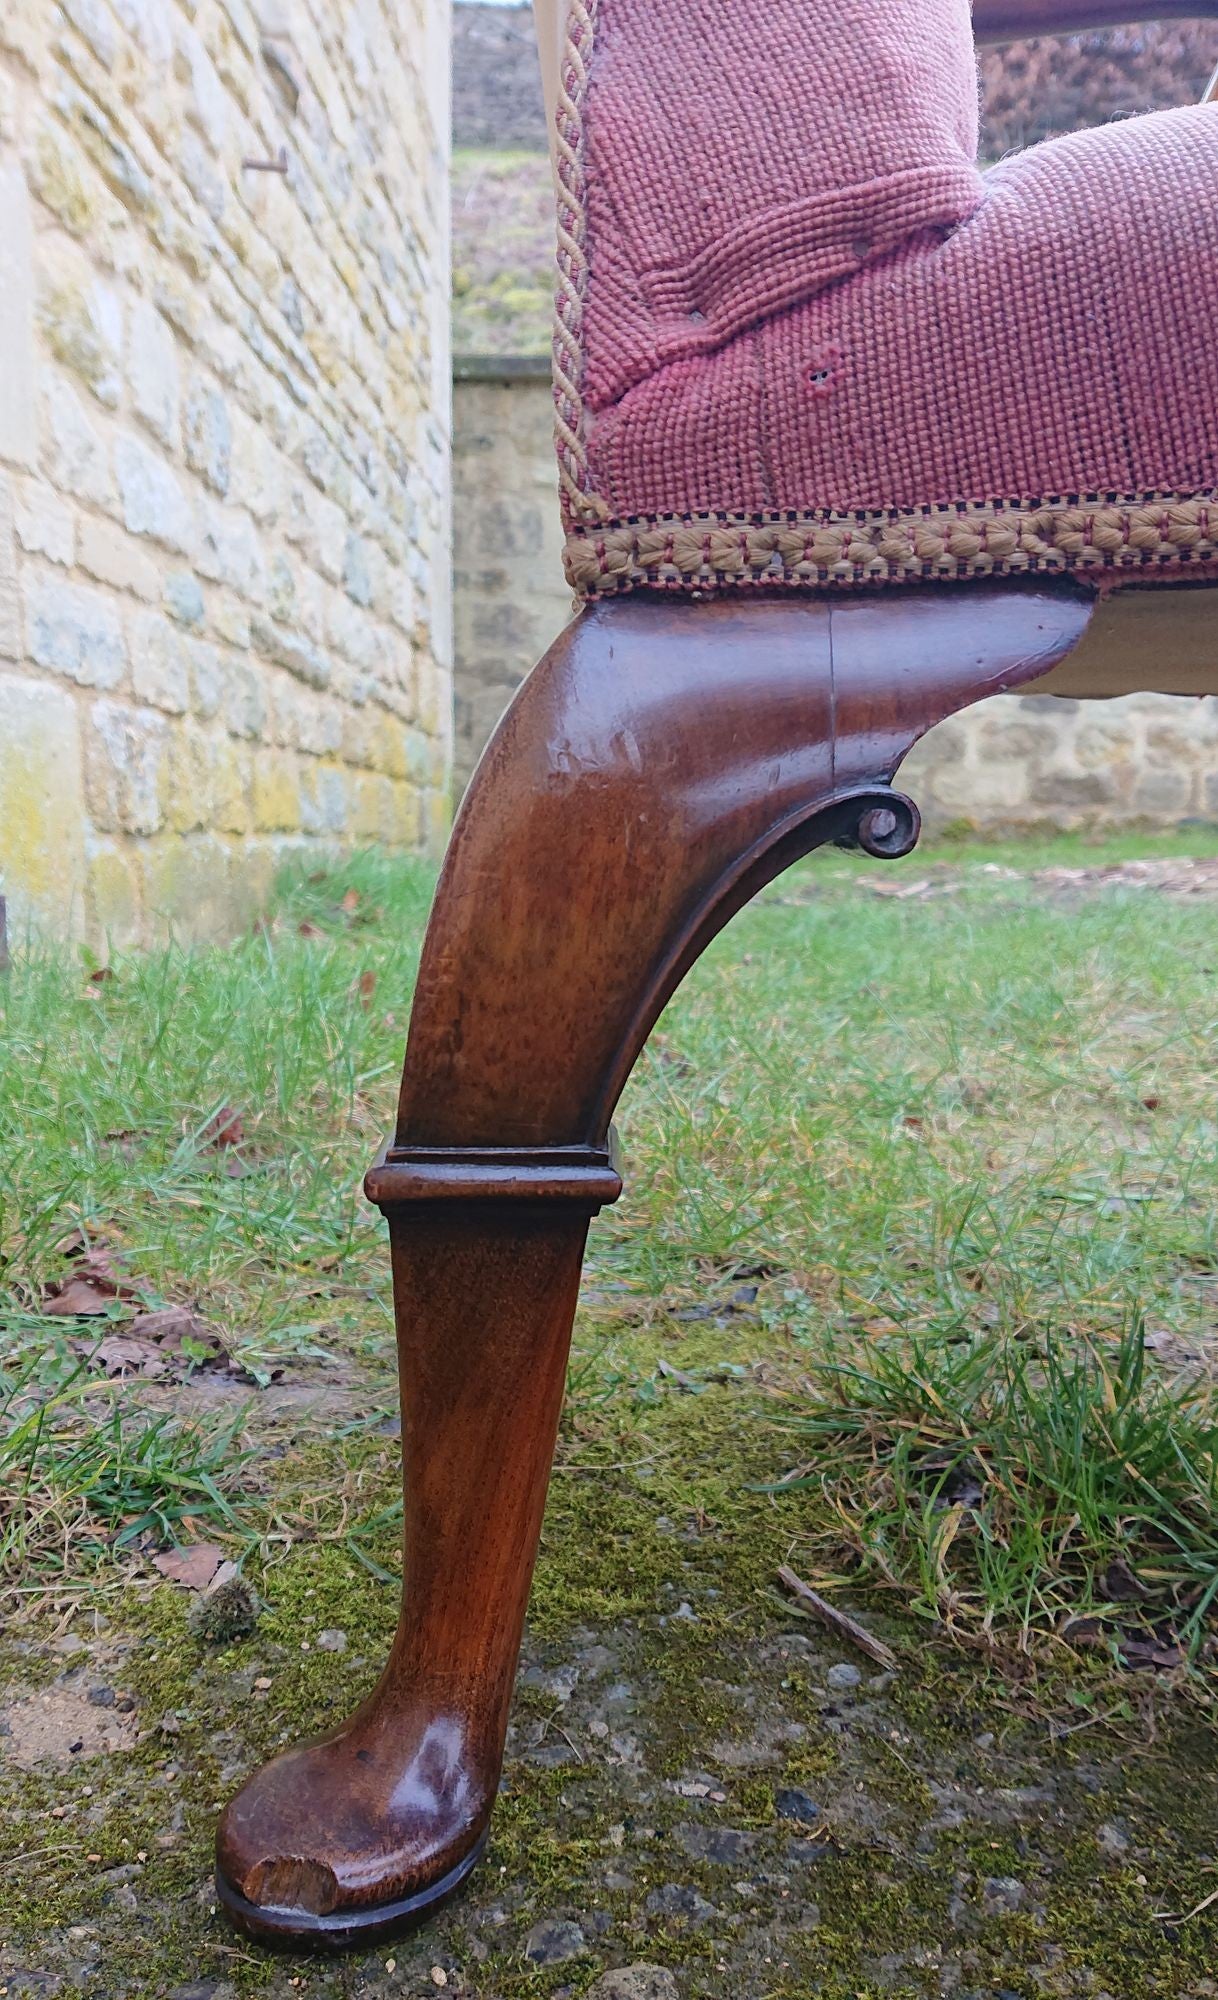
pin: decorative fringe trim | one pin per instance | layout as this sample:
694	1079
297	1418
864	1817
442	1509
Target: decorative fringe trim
998	538
579	502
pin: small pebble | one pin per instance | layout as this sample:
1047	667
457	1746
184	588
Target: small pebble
791	1803
1003	1892
553	1942
678	1900
842	1677
635	1982
332	1640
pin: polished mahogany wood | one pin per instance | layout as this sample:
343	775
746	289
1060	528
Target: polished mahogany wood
662	763
1018	20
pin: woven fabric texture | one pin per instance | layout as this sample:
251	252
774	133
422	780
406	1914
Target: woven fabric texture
738	158
1027	381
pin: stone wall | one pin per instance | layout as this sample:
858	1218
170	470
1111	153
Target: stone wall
224	448
510	602
1008	762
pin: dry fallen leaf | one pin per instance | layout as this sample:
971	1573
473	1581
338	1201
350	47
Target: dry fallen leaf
76	1298
223	1128
367	987
194	1566
351	901
91	1288
121	1355
167	1345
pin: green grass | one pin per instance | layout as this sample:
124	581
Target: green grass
907	1179
1038	1489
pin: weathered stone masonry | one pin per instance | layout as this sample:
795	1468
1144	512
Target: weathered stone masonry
224	398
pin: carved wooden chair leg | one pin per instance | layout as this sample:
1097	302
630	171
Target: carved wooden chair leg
657	768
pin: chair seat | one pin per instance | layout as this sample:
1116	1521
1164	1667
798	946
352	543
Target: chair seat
1034	388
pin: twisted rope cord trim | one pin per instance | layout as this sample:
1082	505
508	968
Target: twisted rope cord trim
579	502
997	538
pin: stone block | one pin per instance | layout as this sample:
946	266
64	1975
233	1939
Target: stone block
291	650
201	887
45	524
23	31
1001	732
42	824
82	323
281	600
10	601
18	434
104	142
1066	788
256	475
230	551
1102	733
353	633
1171	740
204	98
299	717
74	455
66	182
371	806
183	599
153	371
276	793
323	799
244	699
357	570
112	892
232	785
437	822
97	25
208	433
126	768
111	555
74	630
154	503
189	803
404	828
231	622
150	22
1162	791
160	663
207	679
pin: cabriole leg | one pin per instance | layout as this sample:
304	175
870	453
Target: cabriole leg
660	765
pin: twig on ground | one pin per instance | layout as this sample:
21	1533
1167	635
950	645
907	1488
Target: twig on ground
1174	1917
838	1621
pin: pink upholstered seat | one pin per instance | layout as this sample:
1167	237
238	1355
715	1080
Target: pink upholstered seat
925	372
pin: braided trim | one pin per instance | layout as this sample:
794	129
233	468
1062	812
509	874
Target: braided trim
579	502
995	538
